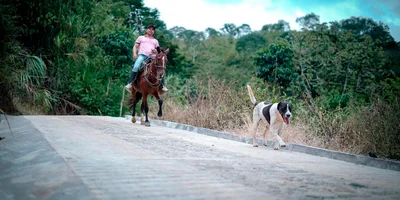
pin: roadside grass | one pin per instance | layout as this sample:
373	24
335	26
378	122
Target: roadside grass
356	129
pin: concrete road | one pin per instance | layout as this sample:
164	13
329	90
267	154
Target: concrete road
84	157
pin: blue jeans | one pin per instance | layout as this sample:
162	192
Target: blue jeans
138	63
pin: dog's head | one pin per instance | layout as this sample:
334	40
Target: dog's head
285	109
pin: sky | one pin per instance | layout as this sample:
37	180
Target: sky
199	15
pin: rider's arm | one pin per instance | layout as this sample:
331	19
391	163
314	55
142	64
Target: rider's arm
156	47
134	50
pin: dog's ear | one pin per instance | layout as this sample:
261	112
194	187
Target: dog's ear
279	105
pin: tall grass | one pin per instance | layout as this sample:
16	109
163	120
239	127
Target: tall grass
374	128
211	104
356	129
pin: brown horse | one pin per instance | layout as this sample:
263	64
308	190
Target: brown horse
148	83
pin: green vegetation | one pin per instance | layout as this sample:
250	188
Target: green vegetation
74	57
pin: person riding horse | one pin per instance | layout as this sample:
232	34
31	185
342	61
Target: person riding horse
147	46
149	84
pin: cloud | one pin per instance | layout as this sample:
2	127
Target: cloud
392	5
199	15
223	1
395	31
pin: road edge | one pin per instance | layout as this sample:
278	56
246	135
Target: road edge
336	155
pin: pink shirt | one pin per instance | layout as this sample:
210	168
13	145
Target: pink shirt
146	45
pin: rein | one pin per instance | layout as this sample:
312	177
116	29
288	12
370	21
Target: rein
147	74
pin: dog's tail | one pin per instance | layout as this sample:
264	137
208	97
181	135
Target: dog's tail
251	95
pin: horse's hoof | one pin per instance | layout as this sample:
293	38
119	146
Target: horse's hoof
133	120
159	114
142	123
147	123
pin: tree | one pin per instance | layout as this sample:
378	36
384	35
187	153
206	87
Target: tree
140	16
360	26
177	30
282	25
117	47
243	30
337	64
250	43
275	64
210	32
229	29
191	40
308	21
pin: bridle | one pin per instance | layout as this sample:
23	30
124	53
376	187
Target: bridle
157	76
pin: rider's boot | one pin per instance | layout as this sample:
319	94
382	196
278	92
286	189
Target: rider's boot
162	86
132	78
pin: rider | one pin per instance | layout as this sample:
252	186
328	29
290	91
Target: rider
146	45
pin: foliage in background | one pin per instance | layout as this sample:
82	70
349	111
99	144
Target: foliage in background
73	57
275	64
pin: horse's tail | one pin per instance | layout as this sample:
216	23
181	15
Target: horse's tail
251	95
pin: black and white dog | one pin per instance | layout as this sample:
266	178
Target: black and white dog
274	114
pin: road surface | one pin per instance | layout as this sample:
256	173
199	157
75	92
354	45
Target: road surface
92	157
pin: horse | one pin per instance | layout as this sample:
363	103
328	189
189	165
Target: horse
148	83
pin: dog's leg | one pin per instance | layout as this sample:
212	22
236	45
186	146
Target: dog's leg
278	140
265	135
281	142
255	127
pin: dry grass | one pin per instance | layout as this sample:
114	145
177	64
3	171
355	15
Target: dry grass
27	108
360	130
373	128
213	105
222	108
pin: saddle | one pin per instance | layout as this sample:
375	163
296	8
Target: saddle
144	64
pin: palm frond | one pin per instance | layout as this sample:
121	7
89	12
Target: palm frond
35	66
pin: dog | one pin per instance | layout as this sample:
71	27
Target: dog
274	114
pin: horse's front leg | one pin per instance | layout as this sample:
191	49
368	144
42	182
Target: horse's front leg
160	103
142	117
145	107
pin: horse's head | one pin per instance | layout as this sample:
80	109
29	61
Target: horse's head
161	61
